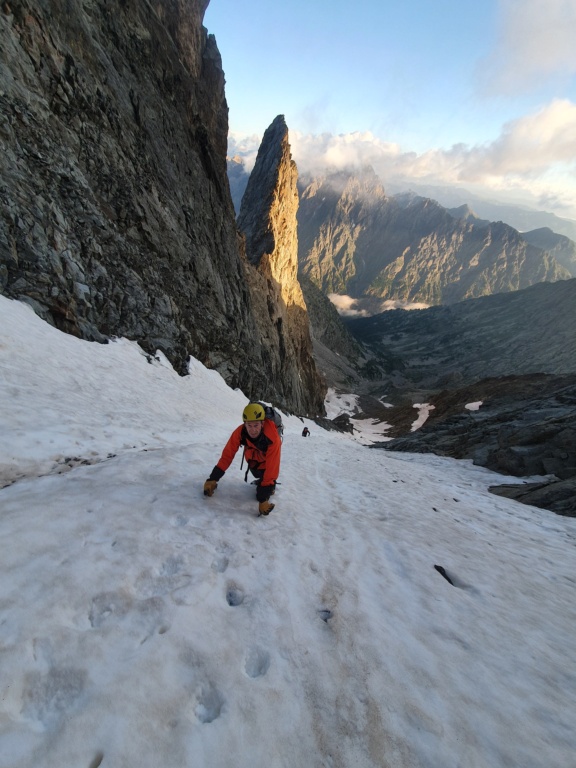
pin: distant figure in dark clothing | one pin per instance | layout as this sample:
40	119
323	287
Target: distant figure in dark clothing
305	432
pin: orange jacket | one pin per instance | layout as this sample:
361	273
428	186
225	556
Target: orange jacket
265	455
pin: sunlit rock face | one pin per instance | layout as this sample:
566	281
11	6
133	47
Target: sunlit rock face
356	240
268	221
115	210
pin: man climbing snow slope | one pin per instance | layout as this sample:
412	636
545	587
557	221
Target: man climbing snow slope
262	445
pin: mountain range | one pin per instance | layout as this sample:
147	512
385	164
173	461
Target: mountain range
356	240
518	216
523	332
561	247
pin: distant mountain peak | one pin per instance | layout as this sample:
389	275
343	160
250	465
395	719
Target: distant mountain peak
343	182
463	212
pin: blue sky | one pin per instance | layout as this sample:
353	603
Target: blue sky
476	94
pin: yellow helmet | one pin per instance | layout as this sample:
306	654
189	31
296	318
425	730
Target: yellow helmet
253	412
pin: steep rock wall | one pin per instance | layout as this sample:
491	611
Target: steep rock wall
115	210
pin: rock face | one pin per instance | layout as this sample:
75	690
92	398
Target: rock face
355	240
558	496
561	247
268	221
526	425
115	210
340	358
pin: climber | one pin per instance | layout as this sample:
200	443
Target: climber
262	443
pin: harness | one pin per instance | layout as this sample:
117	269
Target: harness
260	444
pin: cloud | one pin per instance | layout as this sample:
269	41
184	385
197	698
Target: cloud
368	306
315	153
527	146
534	155
245	147
535	43
346	305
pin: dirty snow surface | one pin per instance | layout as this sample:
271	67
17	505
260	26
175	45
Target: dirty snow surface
142	624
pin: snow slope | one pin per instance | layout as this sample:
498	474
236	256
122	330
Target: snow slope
142	624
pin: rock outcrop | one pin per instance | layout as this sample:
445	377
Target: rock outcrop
268	221
355	240
525	425
558	496
115	210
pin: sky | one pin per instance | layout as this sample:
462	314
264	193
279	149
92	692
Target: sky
477	95
143	624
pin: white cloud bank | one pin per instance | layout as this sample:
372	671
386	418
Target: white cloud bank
533	157
367	306
535	154
528	146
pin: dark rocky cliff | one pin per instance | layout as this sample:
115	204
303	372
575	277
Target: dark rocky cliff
525	425
115	209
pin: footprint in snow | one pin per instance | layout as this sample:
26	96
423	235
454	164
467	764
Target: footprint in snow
220	564
109	606
209	704
47	697
234	595
257	662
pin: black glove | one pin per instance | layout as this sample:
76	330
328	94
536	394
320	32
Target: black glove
216	474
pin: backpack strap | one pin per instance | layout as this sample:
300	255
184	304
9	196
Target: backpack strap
243	443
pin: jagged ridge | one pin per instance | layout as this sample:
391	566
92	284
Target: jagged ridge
355	240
